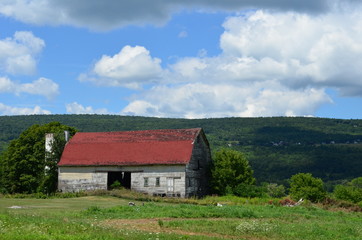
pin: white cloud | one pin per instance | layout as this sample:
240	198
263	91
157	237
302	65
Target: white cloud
102	15
203	100
8	110
42	86
18	54
76	108
272	64
131	67
296	49
6	85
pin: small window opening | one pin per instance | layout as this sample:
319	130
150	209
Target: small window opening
157	181
145	182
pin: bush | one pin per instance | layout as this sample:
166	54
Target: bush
249	191
116	185
3	190
352	191
274	190
304	185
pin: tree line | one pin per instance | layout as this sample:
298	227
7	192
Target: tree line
276	147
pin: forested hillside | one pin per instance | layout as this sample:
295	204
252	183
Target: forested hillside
276	147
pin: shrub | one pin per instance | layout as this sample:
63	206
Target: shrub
304	185
160	223
274	190
116	185
352	191
252	191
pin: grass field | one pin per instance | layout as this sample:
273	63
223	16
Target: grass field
105	217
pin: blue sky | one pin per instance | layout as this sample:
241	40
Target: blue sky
184	59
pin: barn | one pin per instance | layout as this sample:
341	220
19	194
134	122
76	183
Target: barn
168	162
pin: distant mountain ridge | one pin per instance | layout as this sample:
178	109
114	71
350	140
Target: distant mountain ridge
277	147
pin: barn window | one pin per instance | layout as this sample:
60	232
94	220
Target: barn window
157	181
145	182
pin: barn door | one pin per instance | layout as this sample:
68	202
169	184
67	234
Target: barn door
170	184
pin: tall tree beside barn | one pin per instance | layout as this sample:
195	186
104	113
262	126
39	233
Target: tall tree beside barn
24	165
230	169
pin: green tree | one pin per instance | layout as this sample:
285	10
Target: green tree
24	166
230	168
304	185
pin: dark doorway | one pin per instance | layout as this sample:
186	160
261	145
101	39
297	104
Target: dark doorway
123	177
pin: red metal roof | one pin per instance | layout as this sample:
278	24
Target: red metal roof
150	147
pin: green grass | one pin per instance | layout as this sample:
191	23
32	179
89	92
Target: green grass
106	217
157	210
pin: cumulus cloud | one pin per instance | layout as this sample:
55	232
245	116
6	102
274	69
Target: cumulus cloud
104	15
18	53
299	50
203	100
42	86
271	64
6	85
131	67
9	110
76	108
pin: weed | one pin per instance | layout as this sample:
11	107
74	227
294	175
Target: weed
251	226
160	223
93	209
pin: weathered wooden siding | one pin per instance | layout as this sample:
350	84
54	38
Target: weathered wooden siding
178	187
74	179
197	171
